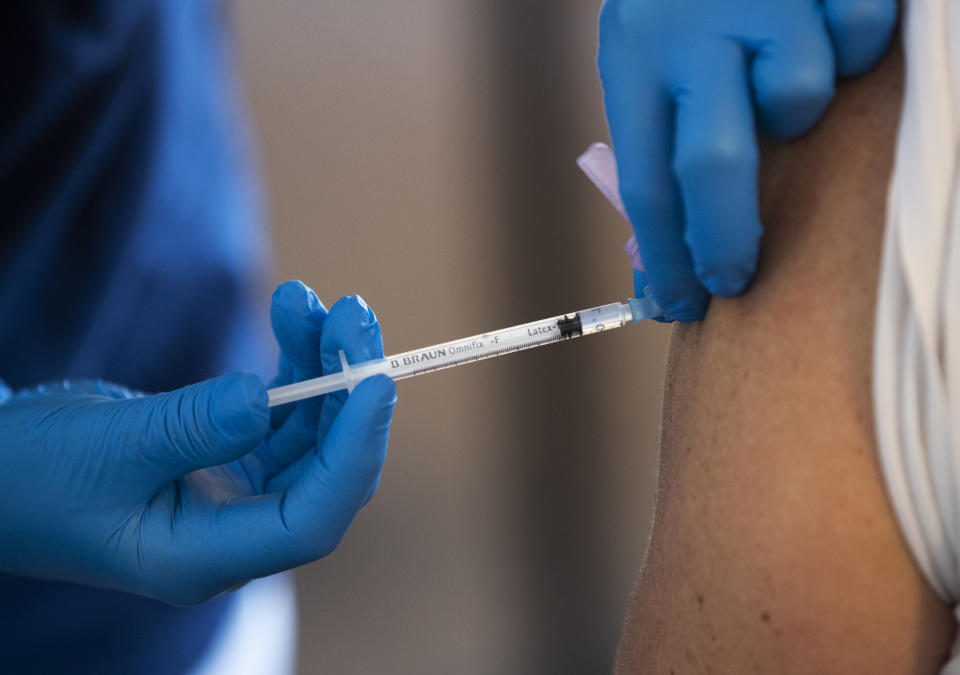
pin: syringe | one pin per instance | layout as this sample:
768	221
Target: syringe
467	350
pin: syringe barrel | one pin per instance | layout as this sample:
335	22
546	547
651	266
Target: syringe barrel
474	348
465	350
605	317
517	338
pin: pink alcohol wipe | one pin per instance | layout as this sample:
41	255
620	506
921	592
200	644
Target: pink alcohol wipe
600	165
633	252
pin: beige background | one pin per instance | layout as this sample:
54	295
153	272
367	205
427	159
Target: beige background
422	153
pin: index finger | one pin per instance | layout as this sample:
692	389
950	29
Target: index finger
640	116
715	160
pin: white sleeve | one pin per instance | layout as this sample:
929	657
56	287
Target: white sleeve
916	378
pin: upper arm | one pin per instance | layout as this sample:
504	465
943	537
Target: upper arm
774	547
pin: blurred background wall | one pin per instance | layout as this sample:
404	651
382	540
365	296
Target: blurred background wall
421	153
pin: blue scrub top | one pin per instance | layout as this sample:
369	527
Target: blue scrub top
130	249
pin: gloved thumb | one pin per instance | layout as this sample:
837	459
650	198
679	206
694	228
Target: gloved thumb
201	425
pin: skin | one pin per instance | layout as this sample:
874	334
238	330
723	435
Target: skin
774	547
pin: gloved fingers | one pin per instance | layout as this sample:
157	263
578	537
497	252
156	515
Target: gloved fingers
640	283
279	452
299	320
288	477
264	535
324	500
371	492
793	72
861	30
206	424
297	317
352	327
715	160
641	122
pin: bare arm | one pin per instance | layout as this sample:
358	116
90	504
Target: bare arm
774	547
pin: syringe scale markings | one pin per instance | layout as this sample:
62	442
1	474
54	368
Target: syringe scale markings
471	349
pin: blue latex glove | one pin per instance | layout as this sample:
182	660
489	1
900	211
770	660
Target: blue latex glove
683	82
182	495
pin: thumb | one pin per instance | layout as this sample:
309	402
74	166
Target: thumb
201	425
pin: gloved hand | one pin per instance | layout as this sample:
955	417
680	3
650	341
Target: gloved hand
182	495
683	80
